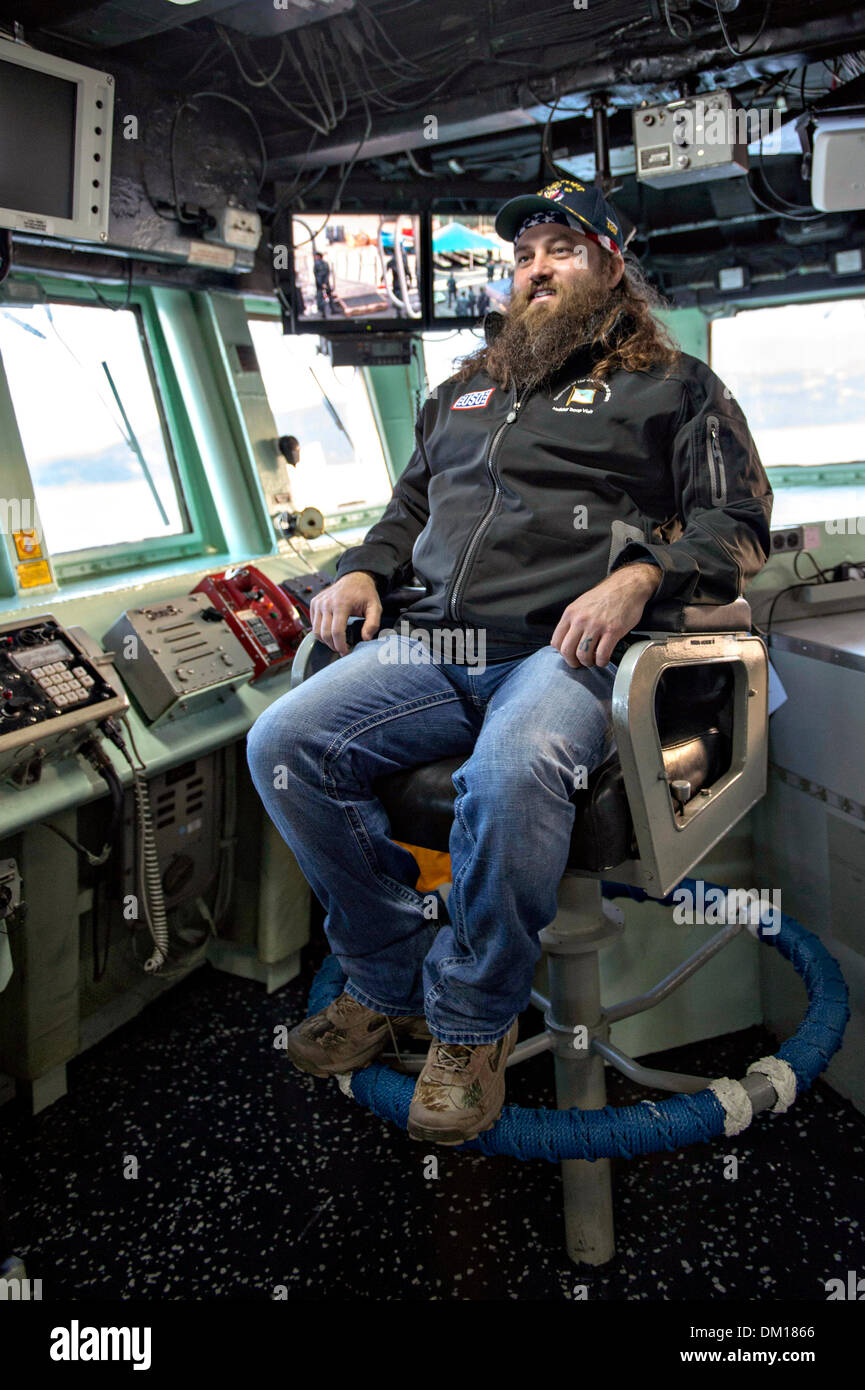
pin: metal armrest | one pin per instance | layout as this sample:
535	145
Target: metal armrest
670	840
313	654
670	616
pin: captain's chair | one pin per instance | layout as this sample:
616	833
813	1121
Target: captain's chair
690	720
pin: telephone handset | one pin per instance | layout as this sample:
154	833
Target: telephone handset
259	613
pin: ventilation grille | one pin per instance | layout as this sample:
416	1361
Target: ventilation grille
178	803
185	640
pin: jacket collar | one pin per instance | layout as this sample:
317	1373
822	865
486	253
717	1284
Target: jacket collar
579	364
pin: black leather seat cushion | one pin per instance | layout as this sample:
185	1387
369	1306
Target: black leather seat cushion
419	802
691	710
693	707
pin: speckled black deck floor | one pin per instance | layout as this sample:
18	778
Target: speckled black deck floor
252	1176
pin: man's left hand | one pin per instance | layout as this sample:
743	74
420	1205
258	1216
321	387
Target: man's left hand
590	627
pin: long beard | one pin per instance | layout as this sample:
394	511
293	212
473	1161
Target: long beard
536	340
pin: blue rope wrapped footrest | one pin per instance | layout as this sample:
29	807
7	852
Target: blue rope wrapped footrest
650	1126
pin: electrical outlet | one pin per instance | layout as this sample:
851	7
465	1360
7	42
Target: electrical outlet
791	539
235	226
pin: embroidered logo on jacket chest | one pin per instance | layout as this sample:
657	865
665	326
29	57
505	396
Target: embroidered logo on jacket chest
580	397
472	400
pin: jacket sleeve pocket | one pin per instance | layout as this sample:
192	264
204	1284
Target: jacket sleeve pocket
724	501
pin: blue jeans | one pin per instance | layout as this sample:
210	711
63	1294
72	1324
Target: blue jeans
531	730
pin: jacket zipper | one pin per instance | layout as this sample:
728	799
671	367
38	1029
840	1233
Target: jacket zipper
475	537
715	459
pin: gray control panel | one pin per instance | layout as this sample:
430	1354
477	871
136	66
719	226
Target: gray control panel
686	141
177	656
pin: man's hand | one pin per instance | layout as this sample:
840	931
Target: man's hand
590	627
353	596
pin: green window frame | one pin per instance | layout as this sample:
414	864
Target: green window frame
204	534
387	389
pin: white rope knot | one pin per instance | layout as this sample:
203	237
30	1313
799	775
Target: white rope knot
343	1079
738	1112
782	1077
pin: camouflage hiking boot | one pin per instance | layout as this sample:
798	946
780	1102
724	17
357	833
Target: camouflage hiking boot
461	1090
346	1036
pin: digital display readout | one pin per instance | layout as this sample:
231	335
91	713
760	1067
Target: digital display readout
40	656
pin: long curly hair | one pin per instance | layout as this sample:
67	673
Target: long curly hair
629	336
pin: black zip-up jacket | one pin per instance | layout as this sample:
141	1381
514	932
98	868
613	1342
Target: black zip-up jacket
515	503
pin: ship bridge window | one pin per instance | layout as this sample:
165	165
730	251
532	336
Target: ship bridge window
342	466
798	372
91	425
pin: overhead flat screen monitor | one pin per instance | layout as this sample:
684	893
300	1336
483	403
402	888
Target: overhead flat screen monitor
356	272
472	268
55	145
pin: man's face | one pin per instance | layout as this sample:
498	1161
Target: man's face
563	284
549	258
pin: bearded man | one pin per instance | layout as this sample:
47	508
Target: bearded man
575	467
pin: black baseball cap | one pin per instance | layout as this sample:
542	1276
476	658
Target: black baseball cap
584	208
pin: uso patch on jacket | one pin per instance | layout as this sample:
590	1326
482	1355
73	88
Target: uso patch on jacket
471	400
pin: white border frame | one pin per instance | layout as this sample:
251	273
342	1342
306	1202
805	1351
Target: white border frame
92	87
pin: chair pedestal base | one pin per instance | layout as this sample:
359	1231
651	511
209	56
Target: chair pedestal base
583	925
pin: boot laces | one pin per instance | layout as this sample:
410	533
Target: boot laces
393	1040
346	1005
452	1056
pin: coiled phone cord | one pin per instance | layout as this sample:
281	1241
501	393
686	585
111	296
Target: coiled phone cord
150	879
